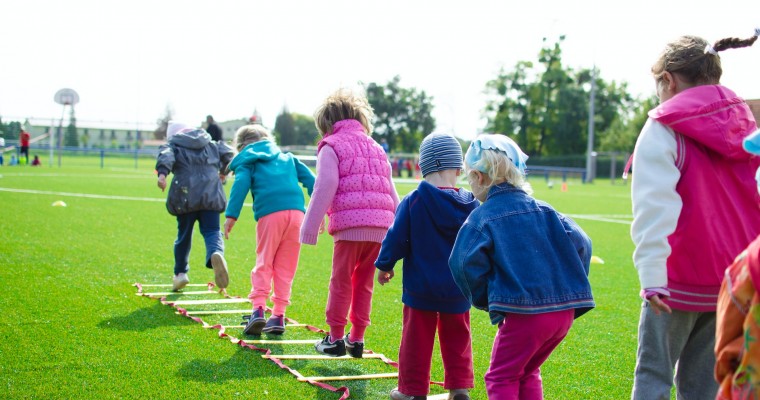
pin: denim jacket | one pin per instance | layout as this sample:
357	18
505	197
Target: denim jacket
516	254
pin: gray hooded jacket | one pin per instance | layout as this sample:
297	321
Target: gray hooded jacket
196	162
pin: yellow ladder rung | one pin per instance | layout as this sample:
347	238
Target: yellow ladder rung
216	301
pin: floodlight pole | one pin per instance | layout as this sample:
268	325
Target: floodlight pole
590	144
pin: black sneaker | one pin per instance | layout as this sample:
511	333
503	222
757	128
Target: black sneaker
275	325
255	323
337	349
355	349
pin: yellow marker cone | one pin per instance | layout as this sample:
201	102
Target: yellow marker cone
596	260
59	203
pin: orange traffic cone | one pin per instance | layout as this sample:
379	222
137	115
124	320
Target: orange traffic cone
564	187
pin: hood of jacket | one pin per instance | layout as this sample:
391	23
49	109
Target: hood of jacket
262	150
448	212
196	139
712	115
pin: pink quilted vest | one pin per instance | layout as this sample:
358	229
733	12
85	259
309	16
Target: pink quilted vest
364	191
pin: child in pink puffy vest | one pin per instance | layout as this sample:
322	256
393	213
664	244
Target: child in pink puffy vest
355	190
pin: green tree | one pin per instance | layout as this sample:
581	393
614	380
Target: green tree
306	131
163	124
545	105
622	136
285	128
403	116
70	137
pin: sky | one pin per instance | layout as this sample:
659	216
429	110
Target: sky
130	60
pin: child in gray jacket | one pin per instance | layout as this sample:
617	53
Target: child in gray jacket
196	194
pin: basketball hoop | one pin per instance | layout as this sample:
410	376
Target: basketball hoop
66	97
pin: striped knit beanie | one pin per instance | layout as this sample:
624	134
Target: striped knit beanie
438	152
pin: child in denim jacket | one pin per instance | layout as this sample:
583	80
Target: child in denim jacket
523	262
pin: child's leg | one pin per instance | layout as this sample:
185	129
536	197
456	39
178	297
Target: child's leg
456	350
416	351
212	235
268	233
662	340
694	374
286	261
339	293
523	343
185	225
362	285
345	258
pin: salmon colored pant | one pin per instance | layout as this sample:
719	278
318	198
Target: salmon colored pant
351	286
277	250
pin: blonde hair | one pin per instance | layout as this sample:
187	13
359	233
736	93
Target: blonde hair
340	105
251	134
689	57
499	169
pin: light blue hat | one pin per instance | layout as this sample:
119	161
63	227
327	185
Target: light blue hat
500	143
752	143
752	146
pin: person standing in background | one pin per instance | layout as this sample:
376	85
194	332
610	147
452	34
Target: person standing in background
213	129
24	138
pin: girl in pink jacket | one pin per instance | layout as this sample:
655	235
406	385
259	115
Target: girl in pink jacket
355	190
694	208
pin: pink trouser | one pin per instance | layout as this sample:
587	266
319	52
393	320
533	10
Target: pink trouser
277	248
351	285
523	343
416	351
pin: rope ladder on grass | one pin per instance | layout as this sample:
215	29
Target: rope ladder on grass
253	344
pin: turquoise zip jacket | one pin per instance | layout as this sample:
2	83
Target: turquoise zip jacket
272	177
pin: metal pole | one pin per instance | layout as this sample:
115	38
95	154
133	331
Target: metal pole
590	144
60	135
52	140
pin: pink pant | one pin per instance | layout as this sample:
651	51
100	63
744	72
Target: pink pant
523	343
416	351
351	286
277	248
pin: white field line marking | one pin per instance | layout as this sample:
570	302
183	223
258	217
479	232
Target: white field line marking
92	196
59	175
601	218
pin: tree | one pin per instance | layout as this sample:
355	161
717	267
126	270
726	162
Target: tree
284	128
622	136
402	115
70	137
163	124
306	131
546	110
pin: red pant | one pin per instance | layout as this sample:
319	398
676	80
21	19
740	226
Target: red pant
351	285
415	353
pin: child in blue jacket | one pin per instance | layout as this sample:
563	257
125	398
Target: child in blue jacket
523	262
423	233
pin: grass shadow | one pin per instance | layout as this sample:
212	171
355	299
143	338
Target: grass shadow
144	319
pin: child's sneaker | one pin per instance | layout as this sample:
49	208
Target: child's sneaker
355	349
275	325
459	394
219	265
255	323
179	281
396	395
336	349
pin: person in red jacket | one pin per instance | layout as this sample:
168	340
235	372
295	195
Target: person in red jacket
24	137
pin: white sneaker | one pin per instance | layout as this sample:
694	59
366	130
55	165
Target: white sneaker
180	281
219	264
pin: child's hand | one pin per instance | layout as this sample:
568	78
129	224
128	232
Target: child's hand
322	226
658	305
162	182
228	224
384	277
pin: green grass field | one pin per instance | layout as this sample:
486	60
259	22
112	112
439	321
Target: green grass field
72	326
